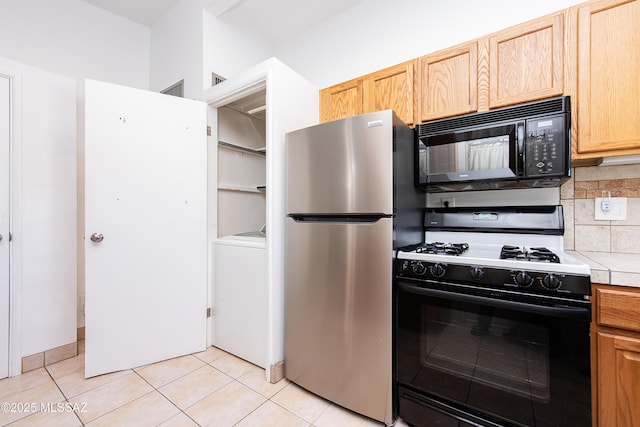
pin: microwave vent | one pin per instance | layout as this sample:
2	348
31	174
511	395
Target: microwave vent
550	106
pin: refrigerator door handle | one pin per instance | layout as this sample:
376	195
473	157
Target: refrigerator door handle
345	218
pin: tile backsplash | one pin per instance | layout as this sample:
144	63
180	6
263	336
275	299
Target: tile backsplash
582	231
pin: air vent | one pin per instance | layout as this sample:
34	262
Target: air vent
216	79
176	89
555	105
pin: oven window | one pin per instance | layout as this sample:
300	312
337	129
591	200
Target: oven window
513	366
509	355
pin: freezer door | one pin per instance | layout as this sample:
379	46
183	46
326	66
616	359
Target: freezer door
338	313
345	166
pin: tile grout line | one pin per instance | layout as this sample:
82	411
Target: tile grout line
259	406
62	393
136	369
269	399
166	397
236	380
121	406
311	423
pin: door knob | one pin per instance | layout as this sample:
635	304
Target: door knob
0	237
96	237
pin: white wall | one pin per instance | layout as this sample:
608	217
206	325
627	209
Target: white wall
79	40
189	43
176	49
44	207
75	39
228	50
375	34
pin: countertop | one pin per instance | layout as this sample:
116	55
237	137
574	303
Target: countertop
610	268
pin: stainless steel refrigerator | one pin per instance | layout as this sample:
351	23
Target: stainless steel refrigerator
350	200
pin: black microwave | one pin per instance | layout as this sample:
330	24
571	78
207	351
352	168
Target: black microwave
524	146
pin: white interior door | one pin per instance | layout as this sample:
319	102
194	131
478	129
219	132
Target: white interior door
145	206
4	224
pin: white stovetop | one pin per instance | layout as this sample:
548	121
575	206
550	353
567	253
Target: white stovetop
484	250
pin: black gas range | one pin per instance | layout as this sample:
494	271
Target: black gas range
492	321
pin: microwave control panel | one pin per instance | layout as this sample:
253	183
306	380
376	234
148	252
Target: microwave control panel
546	146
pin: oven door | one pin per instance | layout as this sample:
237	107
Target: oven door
474	356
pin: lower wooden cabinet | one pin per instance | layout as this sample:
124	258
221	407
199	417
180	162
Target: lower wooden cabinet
616	365
618	380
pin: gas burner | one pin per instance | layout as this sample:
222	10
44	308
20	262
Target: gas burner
442	248
533	254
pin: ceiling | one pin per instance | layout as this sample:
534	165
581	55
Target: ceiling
275	19
144	12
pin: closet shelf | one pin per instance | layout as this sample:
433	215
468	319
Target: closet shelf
257	151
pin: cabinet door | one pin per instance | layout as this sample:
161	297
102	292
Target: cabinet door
391	88
526	62
608	87
448	82
618	377
340	101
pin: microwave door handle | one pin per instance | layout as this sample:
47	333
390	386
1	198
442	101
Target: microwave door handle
521	138
522	160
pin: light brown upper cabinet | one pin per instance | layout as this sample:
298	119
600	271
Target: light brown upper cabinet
520	64
605	70
526	62
391	88
340	101
448	82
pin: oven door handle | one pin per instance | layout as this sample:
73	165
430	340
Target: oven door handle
578	313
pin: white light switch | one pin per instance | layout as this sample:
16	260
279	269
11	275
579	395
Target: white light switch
611	208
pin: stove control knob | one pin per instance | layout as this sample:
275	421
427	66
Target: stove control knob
438	270
404	266
477	273
523	279
551	281
419	268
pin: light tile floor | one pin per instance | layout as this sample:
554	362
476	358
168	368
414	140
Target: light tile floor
211	388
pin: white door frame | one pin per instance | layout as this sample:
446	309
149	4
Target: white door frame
234	89
285	90
15	219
